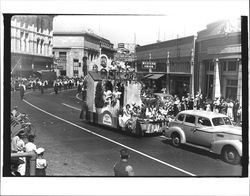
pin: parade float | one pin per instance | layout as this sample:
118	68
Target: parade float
114	98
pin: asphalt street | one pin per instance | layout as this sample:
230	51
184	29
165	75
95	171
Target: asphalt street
77	148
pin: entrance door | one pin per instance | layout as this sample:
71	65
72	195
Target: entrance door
210	81
231	92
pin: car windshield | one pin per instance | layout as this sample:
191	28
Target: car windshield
221	121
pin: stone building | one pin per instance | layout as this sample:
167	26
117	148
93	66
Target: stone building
75	50
31	44
219	60
169	64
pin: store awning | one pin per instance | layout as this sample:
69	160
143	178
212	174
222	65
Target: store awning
155	76
146	76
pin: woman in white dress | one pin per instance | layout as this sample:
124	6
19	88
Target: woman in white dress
230	106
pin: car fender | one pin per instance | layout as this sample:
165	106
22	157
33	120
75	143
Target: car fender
217	146
179	131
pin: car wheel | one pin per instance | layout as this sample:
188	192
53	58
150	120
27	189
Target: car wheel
176	140
230	155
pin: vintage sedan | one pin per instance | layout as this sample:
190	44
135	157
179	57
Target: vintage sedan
208	130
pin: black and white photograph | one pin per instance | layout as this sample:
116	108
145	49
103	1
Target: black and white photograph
147	95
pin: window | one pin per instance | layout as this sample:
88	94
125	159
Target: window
204	122
181	117
190	119
211	66
232	83
76	62
232	65
227	121
218	121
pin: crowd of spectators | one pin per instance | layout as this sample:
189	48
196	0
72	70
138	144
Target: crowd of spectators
172	105
22	140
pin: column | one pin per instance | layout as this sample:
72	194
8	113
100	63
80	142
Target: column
167	75
191	88
201	77
239	87
216	85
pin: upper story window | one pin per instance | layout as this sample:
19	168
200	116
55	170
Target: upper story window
232	65
211	66
76	62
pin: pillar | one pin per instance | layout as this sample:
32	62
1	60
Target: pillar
239	87
167	75
216	83
192	73
201	77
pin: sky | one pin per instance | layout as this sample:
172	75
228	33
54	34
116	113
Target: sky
163	20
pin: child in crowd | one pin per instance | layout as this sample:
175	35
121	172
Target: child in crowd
41	163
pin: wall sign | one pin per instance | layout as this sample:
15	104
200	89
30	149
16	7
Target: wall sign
148	65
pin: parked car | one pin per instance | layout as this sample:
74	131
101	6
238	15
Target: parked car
208	130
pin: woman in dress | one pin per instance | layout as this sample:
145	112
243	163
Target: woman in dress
230	106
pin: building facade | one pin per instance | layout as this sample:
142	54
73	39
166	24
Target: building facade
31	44
74	51
169	64
219	60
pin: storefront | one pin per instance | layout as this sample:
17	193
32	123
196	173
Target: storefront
170	63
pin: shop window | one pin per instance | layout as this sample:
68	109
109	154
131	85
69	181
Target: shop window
232	65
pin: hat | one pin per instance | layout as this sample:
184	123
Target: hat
16	161
40	150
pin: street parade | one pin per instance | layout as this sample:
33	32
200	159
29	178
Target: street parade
82	104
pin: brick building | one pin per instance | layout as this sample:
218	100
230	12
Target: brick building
75	50
169	64
31	44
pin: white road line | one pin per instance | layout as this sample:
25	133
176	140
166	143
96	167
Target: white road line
71	107
101	136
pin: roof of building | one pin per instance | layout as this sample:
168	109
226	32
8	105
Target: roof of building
219	28
169	43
